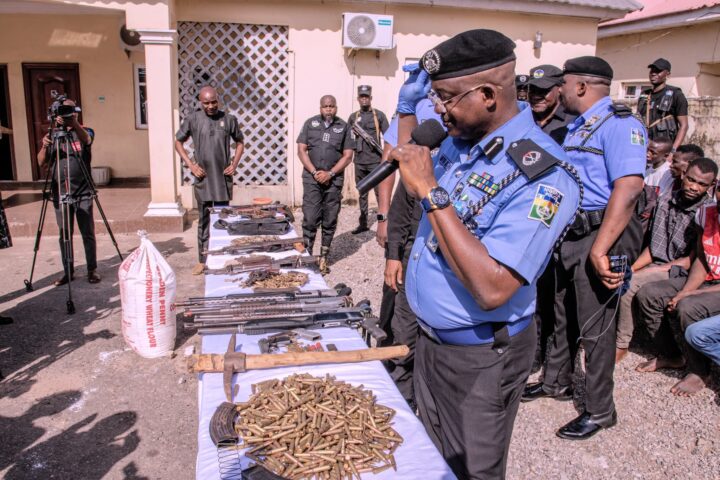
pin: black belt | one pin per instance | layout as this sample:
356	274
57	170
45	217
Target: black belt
586	222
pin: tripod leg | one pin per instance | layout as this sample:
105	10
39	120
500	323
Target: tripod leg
38	236
41	224
107	225
93	189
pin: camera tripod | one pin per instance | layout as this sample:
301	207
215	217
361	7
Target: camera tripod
66	200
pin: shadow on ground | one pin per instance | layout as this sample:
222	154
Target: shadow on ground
43	332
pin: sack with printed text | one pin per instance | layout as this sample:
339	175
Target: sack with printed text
147	296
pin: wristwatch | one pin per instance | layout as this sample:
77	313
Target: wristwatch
381	217
332	174
436	199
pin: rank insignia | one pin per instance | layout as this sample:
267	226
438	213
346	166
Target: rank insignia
636	137
483	182
545	205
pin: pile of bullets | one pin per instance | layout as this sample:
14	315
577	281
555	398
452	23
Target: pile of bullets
268	279
305	427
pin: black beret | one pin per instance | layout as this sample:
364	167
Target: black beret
661	64
467	53
589	67
545	76
364	90
521	80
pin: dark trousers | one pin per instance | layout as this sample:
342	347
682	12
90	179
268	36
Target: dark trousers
362	171
400	321
584	307
664	327
82	210
544	312
468	397
204	225
321	205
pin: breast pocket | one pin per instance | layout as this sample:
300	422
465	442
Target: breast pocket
466	205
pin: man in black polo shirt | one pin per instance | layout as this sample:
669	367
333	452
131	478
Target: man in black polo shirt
325	149
664	108
367	157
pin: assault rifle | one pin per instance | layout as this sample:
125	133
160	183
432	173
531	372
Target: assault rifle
309	317
212	312
262	245
257	263
340	290
254	211
360	132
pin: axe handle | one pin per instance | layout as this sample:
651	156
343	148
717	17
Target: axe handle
202	363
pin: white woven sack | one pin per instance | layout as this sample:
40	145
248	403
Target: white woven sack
147	296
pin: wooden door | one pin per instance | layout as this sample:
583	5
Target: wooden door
7	157
42	82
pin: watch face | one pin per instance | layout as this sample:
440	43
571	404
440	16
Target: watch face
440	197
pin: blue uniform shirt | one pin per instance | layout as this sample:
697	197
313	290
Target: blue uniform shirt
519	226
424	111
624	143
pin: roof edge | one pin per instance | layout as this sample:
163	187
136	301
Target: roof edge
542	7
673	20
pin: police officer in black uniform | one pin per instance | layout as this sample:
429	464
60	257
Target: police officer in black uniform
325	148
664	108
544	98
367	157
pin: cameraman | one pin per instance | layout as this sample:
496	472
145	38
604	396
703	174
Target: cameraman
73	183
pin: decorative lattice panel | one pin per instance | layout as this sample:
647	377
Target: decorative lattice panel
248	65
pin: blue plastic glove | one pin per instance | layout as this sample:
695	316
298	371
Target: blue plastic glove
415	88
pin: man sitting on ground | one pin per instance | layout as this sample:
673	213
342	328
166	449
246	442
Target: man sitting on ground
673	236
687	300
672	178
657	160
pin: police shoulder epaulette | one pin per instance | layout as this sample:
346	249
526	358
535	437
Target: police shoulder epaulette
530	158
621	110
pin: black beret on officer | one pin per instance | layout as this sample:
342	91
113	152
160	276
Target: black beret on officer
467	53
521	80
588	67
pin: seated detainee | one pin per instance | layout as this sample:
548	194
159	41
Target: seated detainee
704	336
658	152
672	179
675	304
673	236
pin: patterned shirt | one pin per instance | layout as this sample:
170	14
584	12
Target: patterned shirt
672	232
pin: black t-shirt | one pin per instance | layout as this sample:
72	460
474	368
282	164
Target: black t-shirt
325	144
72	149
364	153
668	104
211	141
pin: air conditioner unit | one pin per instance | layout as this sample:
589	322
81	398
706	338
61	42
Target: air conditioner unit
367	31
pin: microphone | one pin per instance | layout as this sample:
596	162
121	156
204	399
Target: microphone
429	134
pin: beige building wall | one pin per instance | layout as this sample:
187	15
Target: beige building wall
106	83
319	64
691	51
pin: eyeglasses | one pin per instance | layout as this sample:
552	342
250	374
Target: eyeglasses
442	104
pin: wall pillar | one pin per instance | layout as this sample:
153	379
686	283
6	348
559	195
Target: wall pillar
165	212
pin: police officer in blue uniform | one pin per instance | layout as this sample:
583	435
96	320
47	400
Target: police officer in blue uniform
607	145
496	199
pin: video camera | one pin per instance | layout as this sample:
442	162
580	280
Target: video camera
58	109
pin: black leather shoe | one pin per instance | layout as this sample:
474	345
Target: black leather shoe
533	391
360	229
584	427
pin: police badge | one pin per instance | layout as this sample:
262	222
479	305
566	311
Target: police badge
431	62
